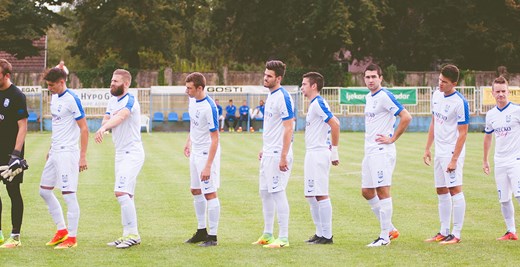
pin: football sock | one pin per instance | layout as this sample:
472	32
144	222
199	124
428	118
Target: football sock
315	214
200	204
72	213
54	207
326	217
508	211
386	211
128	215
375	206
445	204
213	215
459	209
268	211
282	209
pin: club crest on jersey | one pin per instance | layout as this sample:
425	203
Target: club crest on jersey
447	108
508	118
6	102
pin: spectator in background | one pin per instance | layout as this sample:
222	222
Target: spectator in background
62	66
220	116
257	113
230	116
244	115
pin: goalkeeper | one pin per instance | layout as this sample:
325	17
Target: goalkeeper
13	126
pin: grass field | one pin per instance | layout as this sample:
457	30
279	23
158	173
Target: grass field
166	216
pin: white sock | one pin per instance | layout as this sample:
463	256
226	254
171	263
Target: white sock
445	205
375	206
128	215
386	212
326	217
268	211
200	204
213	215
72	213
508	211
459	209
54	208
315	214
282	210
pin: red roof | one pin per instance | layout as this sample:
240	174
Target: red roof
28	64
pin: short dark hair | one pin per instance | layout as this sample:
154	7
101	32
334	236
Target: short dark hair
6	66
499	80
197	79
372	67
277	66
315	78
55	74
451	72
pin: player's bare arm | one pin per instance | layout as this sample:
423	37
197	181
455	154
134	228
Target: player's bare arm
22	133
427	157
187	147
111	123
82	123
463	133
287	137
206	173
487	145
334	135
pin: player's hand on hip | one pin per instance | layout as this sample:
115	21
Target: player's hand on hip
427	157
383	139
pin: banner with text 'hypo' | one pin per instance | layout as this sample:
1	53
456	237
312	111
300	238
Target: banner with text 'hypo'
356	95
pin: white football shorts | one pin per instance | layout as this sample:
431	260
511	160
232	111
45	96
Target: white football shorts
128	165
447	179
316	173
508	181
197	164
61	170
271	178
377	170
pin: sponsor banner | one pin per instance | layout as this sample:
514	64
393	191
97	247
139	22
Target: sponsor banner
31	90
488	99
219	89
356	95
95	98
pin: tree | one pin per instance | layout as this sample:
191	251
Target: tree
121	30
24	21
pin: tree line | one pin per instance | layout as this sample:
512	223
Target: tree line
201	35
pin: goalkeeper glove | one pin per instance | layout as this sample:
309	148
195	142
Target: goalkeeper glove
16	166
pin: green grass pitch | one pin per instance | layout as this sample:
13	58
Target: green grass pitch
166	216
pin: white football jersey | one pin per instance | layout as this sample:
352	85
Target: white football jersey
279	107
505	123
448	113
127	135
380	111
203	120
66	109
317	128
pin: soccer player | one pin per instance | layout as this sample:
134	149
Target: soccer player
230	116
220	116
13	126
448	128
320	153
203	149
64	160
123	117
504	121
378	165
276	157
